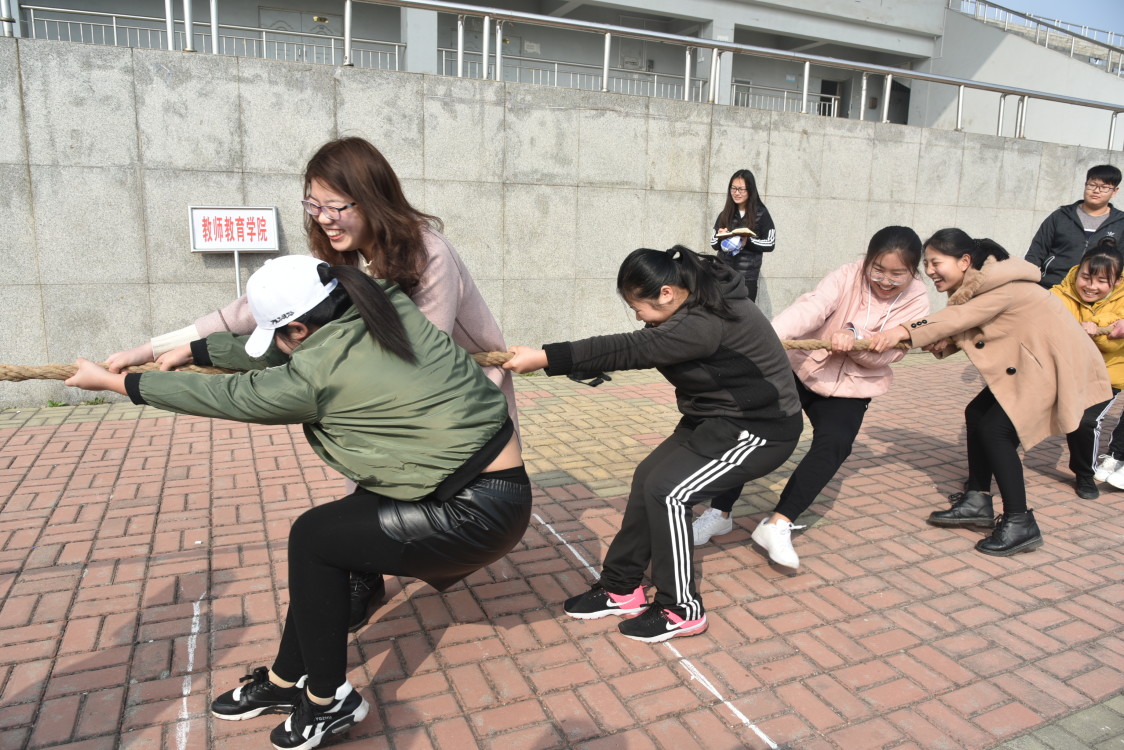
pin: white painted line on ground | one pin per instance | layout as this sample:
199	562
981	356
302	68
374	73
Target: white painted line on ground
184	725
691	668
696	674
568	545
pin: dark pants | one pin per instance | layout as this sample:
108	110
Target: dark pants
1084	440
693	465
751	286
835	424
326	543
993	452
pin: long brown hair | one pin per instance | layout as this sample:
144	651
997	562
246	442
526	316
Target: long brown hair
355	167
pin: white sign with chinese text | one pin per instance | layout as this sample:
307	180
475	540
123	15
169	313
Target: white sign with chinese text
225	229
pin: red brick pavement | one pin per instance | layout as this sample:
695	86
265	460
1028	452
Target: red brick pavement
142	571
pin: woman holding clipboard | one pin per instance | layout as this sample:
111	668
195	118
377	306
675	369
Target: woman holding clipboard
744	230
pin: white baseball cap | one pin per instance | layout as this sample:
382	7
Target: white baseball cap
281	291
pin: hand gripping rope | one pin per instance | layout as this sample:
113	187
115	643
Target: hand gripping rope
16	373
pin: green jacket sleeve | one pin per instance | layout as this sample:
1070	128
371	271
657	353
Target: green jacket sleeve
277	395
228	351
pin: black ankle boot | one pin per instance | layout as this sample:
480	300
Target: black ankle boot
971	508
1015	532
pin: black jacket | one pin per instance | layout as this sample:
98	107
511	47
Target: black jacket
748	260
720	368
1061	241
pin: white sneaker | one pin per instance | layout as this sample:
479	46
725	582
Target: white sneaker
1116	478
776	538
710	523
1106	467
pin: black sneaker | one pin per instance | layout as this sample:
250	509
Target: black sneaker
597	602
368	590
309	724
259	697
658	624
1087	488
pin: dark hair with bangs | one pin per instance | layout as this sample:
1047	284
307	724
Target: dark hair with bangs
645	271
356	168
1105	173
1103	258
901	240
753	200
956	243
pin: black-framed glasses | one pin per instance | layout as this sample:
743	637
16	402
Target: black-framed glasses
1094	187
332	212
739	190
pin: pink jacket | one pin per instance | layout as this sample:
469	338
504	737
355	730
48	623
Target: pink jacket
447	296
843	300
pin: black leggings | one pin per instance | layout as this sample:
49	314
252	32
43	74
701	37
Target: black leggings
993	446
835	423
483	522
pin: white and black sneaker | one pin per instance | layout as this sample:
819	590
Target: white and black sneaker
259	697
309	724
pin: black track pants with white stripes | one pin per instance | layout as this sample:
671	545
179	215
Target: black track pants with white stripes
691	466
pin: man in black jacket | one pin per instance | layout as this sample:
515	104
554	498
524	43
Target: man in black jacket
1069	231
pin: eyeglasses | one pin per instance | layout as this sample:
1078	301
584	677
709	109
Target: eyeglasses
1096	187
897	278
332	212
739	190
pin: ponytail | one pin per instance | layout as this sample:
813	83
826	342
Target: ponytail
645	271
357	289
956	243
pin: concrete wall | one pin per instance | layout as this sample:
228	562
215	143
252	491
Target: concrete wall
974	50
542	190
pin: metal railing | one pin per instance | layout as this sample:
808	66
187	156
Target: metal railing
572	75
782	100
1079	42
496	19
122	30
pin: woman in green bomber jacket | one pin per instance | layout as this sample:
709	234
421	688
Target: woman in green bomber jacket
411	419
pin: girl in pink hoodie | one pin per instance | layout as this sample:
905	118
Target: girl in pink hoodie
835	385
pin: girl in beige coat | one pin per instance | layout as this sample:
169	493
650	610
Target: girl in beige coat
1042	374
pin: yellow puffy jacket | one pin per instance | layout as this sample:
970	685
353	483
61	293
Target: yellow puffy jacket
1103	312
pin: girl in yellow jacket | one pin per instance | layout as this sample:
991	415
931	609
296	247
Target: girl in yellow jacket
1093	293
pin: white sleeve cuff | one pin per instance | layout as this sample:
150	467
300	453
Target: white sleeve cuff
169	341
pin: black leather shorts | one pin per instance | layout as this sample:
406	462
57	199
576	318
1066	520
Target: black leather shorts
447	541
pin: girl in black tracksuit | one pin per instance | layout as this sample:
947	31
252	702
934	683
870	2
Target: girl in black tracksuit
744	209
741	420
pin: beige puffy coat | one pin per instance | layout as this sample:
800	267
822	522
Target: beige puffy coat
1042	367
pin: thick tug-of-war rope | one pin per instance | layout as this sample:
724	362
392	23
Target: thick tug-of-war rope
16	373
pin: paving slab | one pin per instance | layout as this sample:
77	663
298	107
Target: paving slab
142	572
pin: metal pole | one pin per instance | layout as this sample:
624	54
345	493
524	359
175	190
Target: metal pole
862	100
170	24
713	82
1072	45
237	273
347	34
959	109
460	46
188	28
1112	130
804	96
484	46
687	74
1020	129
886	98
999	125
717	74
214	27
605	62
499	50
6	19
